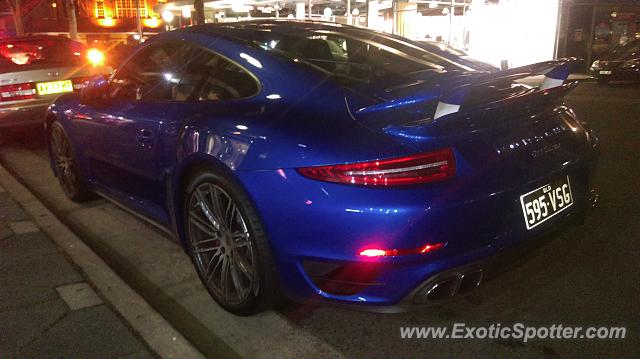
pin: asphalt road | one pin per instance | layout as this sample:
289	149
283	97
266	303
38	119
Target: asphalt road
584	276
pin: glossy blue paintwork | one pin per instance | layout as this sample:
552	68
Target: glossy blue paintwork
137	153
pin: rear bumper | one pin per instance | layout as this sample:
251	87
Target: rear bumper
28	113
317	229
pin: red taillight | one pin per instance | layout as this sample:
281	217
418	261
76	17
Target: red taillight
17	92
376	252
373	252
415	169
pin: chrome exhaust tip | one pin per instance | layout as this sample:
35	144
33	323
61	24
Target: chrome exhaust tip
444	289
448	286
470	281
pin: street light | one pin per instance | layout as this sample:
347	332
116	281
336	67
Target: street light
167	16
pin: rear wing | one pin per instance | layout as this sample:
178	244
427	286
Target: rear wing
555	74
452	90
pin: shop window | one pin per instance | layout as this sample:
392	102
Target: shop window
100	9
127	8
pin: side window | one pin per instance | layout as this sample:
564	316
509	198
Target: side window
148	75
205	76
180	72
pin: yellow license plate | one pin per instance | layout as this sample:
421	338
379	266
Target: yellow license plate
53	87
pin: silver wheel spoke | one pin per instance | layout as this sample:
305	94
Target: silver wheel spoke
224	278
206	240
236	280
203	226
206	249
199	249
211	267
215	202
230	214
243	266
202	203
241	239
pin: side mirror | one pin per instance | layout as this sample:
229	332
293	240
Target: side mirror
95	91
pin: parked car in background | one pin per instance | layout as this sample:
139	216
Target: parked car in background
35	70
326	162
622	64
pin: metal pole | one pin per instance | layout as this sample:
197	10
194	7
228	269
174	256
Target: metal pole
198	6
139	21
348	12
559	20
367	23
451	11
394	19
592	33
73	21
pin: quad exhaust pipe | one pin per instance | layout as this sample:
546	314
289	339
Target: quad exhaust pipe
448	286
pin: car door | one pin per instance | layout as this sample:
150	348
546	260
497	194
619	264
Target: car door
121	135
130	139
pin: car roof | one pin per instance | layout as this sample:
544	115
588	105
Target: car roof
247	30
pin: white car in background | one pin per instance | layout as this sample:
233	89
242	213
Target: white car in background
35	70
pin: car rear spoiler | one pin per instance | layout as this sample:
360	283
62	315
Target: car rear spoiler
453	91
555	74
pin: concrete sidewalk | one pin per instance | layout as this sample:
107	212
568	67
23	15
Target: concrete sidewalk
47	308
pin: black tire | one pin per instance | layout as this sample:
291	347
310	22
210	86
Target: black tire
238	243
73	184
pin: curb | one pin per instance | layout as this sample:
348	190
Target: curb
157	333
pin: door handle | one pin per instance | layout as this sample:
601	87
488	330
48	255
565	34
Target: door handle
145	137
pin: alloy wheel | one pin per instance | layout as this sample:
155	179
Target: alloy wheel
64	161
221	244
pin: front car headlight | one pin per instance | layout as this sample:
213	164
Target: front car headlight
595	65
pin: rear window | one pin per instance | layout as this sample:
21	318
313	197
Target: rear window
354	58
23	54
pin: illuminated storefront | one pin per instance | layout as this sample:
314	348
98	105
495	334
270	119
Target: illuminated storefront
97	20
109	13
501	32
505	32
591	28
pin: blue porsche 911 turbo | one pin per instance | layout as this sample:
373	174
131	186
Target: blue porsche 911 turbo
325	162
